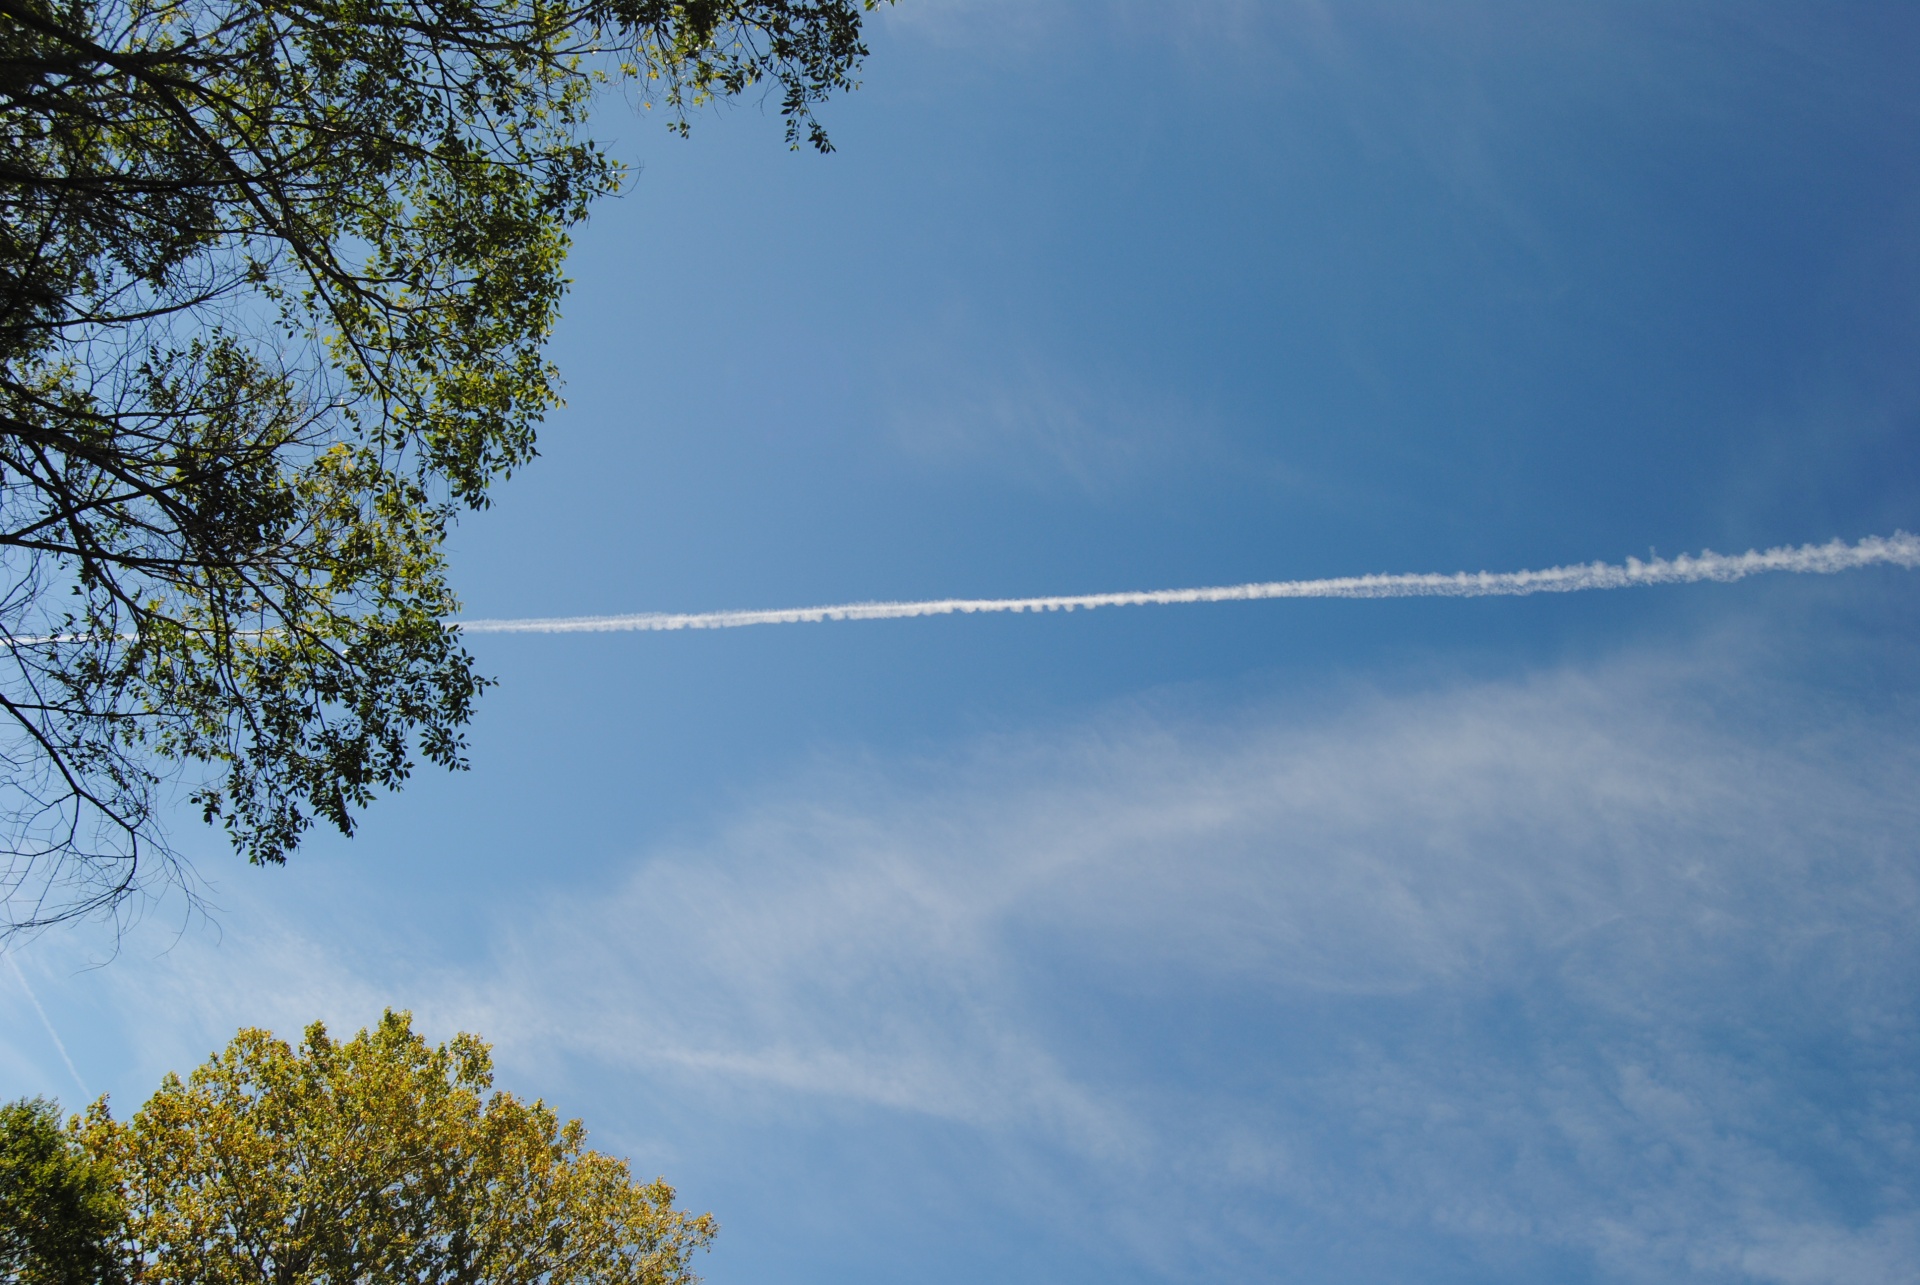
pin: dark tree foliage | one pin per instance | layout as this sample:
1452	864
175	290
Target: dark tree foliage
275	282
61	1213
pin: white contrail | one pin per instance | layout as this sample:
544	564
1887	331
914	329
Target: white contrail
52	1034
1898	549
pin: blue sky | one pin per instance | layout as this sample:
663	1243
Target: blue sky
1506	939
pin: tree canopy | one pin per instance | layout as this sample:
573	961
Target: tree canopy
60	1209
276	278
381	1158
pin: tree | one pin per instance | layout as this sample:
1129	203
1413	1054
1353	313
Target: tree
275	282
380	1159
60	1209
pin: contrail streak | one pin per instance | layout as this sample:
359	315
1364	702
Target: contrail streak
52	1034
1898	549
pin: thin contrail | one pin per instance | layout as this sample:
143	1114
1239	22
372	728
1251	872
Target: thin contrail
52	1034
1898	549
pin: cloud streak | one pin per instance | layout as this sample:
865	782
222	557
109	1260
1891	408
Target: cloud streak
1603	972
1607	962
1900	550
46	1022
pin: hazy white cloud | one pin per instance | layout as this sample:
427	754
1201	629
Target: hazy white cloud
1213	29
1040	427
1614	961
1665	902
1006	25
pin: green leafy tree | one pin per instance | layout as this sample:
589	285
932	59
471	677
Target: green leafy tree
275	282
61	1214
381	1159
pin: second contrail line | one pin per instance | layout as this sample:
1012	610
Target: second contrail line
1899	549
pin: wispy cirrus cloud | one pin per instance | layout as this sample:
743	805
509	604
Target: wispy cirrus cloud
1607	969
1026	422
1612	963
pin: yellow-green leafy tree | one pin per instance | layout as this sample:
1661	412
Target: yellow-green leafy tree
380	1159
